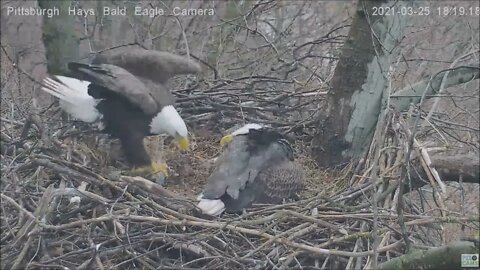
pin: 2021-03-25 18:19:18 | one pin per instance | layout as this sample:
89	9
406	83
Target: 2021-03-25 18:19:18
425	11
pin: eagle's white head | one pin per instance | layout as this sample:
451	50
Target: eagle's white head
168	121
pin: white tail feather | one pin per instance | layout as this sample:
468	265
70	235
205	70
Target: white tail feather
74	98
211	207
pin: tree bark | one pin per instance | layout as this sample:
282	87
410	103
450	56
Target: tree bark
59	38
359	85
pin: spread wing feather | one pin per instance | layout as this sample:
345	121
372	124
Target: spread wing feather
154	65
118	80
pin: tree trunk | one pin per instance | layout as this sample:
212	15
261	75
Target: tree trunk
360	84
59	38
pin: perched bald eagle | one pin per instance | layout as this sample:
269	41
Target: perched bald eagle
125	92
256	166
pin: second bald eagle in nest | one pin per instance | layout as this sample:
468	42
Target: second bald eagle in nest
125	91
257	166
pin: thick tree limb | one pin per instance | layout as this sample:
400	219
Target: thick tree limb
402	99
445	257
451	165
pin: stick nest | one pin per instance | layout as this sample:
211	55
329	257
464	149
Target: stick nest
65	205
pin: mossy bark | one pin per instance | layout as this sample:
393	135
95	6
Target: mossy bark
359	84
445	257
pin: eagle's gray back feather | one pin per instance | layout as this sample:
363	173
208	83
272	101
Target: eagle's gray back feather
230	168
265	176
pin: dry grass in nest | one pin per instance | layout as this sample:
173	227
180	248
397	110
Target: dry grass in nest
189	170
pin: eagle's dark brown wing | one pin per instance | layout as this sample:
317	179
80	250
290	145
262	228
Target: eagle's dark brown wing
154	65
159	92
118	80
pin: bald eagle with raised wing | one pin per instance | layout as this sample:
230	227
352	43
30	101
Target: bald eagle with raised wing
125	91
257	166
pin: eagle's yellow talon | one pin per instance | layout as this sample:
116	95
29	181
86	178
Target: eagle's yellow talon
153	168
159	167
226	139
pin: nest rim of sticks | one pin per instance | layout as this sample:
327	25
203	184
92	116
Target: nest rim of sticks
91	219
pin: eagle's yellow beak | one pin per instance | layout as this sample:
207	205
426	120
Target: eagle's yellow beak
226	139
182	143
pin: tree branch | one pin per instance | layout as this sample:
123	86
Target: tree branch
445	257
402	99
